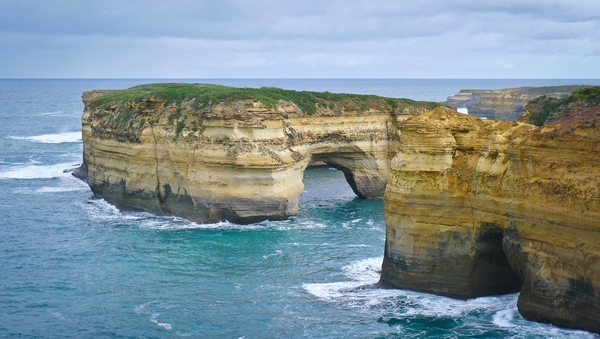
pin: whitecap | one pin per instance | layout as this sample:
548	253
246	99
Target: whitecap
58	189
366	271
362	272
330	291
277	252
99	209
52	113
154	319
52	138
37	172
504	318
66	184
139	309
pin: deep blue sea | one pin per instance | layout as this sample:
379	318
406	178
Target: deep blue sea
72	266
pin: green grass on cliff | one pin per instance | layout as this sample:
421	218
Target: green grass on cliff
545	109
209	95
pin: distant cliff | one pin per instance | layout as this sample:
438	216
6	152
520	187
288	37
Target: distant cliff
505	104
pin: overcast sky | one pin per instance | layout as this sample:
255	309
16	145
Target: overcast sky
300	39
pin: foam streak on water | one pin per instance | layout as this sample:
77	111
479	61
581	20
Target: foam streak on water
401	308
38	171
52	138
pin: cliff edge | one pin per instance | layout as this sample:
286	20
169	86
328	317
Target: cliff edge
477	207
505	104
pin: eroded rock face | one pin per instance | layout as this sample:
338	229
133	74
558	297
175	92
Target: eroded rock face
473	207
477	207
241	161
505	104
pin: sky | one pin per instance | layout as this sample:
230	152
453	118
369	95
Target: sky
300	39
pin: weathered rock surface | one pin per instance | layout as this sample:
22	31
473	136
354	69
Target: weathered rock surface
237	160
477	207
473	207
505	104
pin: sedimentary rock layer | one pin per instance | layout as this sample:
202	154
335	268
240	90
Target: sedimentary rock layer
473	207
232	159
505	104
477	207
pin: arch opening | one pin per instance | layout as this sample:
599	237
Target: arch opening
362	173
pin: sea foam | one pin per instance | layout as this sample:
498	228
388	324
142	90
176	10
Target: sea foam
37	172
52	138
154	319
66	183
503	318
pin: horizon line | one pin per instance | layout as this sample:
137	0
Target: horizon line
290	78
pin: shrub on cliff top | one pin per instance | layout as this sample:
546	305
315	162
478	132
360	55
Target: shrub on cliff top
544	109
210	95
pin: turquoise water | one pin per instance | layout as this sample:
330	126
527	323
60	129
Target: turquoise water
75	267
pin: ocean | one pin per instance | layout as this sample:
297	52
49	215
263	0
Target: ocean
72	266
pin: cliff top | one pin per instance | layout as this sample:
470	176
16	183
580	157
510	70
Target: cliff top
537	90
205	96
543	110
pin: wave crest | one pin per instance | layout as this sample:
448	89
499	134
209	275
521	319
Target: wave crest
52	138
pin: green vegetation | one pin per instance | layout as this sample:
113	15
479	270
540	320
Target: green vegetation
543	90
180	127
544	109
205	95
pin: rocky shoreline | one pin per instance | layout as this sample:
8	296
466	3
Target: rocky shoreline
505	104
473	207
478	207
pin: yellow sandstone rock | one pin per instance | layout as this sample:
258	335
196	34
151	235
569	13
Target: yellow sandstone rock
473	207
477	207
241	161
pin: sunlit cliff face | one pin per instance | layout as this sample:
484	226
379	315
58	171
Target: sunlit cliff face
486	207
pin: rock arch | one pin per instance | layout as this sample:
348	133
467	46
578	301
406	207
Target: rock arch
363	172
241	170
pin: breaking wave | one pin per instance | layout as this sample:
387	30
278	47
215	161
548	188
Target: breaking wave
52	138
38	171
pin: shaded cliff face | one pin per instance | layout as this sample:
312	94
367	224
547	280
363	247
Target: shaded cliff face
478	207
212	153
505	104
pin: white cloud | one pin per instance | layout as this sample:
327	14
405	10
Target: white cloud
312	38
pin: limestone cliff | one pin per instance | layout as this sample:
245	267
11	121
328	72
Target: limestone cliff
473	207
505	104
212	153
476	207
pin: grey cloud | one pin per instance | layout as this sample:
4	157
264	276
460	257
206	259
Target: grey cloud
333	20
309	38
